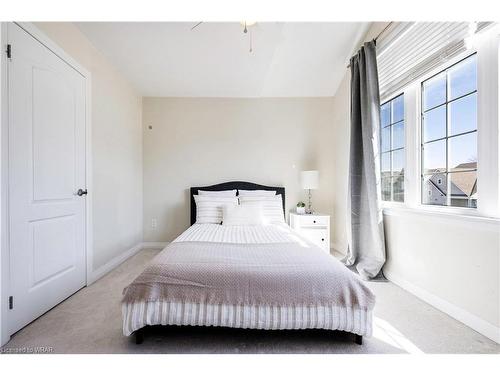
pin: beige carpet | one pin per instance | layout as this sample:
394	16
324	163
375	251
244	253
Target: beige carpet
90	322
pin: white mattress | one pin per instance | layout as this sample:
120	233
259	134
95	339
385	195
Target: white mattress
139	314
273	233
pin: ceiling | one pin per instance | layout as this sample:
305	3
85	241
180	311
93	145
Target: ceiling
213	59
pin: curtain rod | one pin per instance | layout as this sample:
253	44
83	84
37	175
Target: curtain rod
378	36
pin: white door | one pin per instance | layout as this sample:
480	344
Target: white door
46	168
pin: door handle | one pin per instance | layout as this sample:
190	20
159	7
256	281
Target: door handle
81	192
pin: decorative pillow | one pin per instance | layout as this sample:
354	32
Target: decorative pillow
272	207
209	209
221	193
256	193
251	214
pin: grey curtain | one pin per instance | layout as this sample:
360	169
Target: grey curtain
366	243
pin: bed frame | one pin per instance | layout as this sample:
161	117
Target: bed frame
231	185
139	336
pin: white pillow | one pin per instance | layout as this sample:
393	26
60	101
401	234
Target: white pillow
251	214
221	193
209	209
272	207
256	193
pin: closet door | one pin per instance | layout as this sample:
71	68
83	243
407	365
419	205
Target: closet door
46	165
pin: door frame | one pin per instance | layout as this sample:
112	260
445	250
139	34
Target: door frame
4	167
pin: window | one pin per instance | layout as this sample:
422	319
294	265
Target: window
392	147
449	136
450	164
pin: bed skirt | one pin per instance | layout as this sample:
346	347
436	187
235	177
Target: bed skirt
140	314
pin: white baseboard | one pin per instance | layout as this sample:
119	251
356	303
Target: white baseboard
338	248
113	263
480	325
154	245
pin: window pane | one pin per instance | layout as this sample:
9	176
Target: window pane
435	124
398	109
463	114
449	165
398	135
463	189
434	189
435	91
392	137
463	152
386	189
398	162
386	139
463	78
434	156
386	164
398	190
385	114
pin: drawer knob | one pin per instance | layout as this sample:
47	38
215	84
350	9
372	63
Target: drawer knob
322	239
314	221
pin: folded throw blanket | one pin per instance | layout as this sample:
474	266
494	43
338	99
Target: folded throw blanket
278	274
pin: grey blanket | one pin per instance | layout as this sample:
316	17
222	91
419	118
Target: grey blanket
283	274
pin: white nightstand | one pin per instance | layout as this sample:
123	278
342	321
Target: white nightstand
314	227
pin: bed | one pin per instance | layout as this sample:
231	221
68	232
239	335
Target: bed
256	277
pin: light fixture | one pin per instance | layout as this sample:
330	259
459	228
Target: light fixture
309	180
245	24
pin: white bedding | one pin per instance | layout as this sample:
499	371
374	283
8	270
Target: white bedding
347	318
273	233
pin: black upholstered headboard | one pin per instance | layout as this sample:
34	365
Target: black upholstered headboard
231	186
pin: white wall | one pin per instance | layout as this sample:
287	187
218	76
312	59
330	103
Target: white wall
340	146
198	142
456	260
116	147
452	263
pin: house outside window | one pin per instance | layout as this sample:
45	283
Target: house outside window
449	136
392	147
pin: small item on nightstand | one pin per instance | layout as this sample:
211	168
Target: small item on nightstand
301	208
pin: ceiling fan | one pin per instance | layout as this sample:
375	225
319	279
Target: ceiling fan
246	29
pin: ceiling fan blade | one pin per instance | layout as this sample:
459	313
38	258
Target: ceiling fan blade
198	24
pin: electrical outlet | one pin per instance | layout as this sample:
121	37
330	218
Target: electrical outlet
154	224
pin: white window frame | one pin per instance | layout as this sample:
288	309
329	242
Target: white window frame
486	46
442	69
388	98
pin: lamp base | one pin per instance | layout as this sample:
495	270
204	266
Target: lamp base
309	209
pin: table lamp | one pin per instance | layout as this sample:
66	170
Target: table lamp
309	180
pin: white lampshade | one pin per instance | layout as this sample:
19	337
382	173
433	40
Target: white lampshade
309	179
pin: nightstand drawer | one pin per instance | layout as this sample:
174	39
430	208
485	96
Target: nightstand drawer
315	228
311	221
319	237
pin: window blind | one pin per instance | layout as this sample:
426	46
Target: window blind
408	50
